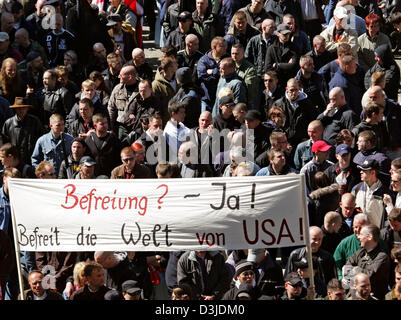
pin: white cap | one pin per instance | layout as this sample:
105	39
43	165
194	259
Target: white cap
340	13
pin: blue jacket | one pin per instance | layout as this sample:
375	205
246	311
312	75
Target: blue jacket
237	87
228	8
302	42
49	149
5	212
353	86
209	82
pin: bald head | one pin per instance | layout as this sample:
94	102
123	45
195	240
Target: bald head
337	97
102	255
128	75
359	277
348	198
376	94
191	37
268	27
99	50
137	51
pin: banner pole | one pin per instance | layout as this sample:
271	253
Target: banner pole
305	220
17	248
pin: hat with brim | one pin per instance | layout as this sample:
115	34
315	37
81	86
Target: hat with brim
343	149
371	164
226	100
293	278
131	287
340	13
320	145
283	28
113	19
87	161
20	102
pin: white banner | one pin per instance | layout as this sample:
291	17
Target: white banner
158	215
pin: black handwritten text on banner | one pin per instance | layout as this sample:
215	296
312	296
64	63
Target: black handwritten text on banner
163	215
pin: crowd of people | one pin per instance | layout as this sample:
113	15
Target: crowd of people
243	88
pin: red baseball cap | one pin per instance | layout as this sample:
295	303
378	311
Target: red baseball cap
320	145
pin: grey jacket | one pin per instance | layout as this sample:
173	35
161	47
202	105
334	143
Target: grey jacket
217	279
118	104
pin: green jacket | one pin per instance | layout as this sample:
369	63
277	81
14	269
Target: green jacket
347	247
208	28
164	92
247	72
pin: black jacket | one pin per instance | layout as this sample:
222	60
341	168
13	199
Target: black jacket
390	69
278	8
376	264
59	100
352	174
130	270
190	96
316	89
58	44
336	120
261	139
177	38
108	156
322	59
77	126
326	268
144	71
297	121
281	54
140	109
170	21
379	129
23	134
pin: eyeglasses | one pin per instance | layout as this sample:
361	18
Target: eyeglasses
395	181
248	273
268	80
51	173
127	159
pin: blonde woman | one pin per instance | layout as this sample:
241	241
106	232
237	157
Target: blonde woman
76	282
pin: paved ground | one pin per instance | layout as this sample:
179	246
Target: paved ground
152	53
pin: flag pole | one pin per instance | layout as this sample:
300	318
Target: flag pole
305	225
17	248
